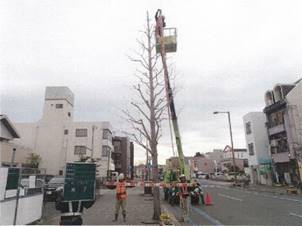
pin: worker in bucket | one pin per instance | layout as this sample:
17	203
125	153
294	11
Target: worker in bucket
160	23
183	196
121	196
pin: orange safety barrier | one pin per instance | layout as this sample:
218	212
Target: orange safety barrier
131	184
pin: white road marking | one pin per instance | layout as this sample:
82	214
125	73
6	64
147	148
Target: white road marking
258	194
289	199
230	197
294	214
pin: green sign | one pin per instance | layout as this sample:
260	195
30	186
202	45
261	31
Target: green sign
79	181
265	169
12	178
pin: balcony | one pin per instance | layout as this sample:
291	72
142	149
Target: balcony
281	104
280	157
118	166
276	129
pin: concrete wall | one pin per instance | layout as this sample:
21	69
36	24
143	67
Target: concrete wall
294	127
258	137
21	154
29	210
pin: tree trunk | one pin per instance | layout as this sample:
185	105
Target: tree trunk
156	193
153	140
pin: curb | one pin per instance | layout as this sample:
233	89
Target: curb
173	218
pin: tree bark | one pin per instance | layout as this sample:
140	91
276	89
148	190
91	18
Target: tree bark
156	193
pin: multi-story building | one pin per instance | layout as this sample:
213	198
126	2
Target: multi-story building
11	154
241	159
216	156
131	160
203	164
258	156
284	115
140	171
58	139
123	156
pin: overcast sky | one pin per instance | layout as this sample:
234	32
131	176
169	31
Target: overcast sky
229	54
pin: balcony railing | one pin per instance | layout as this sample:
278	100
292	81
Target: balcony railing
276	129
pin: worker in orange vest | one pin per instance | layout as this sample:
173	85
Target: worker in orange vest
183	197
121	196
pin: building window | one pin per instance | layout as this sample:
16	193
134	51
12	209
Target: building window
59	106
245	163
248	128
65	131
251	149
69	114
105	151
81	132
80	150
107	134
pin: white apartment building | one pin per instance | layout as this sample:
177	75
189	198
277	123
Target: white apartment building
240	155
257	144
58	139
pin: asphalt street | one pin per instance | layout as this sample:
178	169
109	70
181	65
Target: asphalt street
237	206
231	206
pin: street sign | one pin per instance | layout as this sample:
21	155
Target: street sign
79	182
12	178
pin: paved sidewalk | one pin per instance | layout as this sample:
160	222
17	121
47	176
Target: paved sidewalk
139	210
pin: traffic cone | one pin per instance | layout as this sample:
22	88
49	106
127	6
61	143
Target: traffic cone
208	200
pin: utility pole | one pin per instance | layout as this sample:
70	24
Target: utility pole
92	142
232	143
13	157
232	146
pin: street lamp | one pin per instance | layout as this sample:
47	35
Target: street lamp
231	136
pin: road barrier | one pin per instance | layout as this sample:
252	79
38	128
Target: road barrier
112	184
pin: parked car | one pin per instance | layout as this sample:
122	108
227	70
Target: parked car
230	176
36	189
52	187
218	173
202	176
25	183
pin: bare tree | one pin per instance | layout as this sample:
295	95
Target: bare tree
149	109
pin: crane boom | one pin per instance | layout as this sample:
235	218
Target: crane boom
169	94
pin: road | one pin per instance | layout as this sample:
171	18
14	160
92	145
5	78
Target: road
237	206
231	206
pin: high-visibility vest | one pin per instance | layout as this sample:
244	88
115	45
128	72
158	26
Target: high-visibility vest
121	193
184	190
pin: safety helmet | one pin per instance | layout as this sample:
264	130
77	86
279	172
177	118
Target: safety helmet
182	176
121	176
